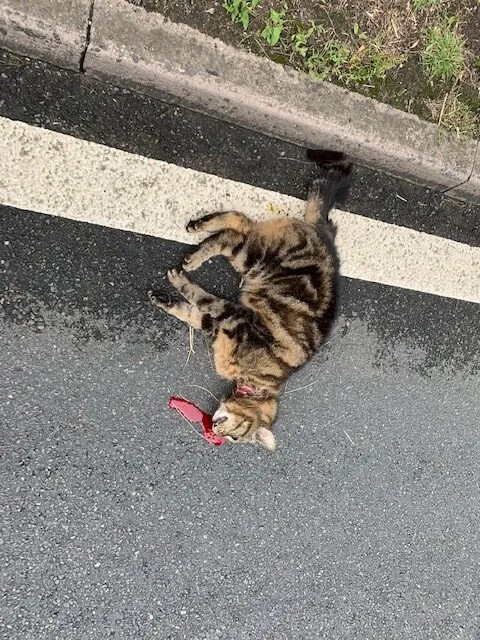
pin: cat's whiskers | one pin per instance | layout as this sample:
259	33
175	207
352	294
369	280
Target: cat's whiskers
197	386
305	386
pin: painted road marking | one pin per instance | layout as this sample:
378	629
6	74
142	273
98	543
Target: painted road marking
56	174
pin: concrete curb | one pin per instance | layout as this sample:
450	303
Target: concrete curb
51	30
130	47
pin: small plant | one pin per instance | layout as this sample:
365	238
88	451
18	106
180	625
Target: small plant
419	6
329	61
301	38
364	65
274	26
443	55
370	63
240	10
359	34
336	54
315	65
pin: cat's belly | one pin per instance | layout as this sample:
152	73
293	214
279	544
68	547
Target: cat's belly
224	356
242	362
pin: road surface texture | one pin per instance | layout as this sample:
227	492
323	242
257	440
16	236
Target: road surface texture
118	521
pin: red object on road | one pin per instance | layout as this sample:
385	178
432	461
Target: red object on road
192	413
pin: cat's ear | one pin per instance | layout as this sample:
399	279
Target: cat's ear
266	438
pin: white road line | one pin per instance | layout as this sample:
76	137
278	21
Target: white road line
52	173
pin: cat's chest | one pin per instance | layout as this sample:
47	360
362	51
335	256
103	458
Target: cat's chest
225	356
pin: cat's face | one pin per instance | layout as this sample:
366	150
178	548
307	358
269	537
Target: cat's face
246	419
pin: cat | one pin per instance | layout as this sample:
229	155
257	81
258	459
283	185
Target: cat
289	270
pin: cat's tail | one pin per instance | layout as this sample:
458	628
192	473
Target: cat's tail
331	187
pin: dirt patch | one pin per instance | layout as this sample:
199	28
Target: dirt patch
422	56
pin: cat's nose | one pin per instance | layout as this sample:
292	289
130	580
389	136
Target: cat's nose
218	419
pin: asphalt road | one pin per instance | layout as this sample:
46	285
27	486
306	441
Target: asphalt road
118	521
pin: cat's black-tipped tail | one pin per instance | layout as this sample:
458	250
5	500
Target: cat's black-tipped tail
331	187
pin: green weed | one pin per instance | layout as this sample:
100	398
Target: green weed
359	34
274	26
364	65
419	6
443	55
301	38
370	62
240	11
328	61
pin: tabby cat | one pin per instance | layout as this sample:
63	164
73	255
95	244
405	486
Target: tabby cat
289	270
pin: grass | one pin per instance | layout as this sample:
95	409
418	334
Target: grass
416	55
315	48
388	50
407	53
422	56
443	55
424	5
353	65
455	115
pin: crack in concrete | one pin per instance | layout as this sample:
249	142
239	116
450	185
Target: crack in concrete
87	37
448	189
